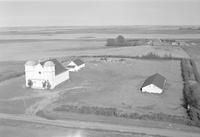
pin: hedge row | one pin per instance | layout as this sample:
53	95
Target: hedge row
147	56
190	93
152	55
196	73
120	113
187	70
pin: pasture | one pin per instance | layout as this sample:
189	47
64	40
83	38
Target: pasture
116	84
39	50
112	83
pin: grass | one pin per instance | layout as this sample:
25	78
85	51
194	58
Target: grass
25	51
11	70
103	86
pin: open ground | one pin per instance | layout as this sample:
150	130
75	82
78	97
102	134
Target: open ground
110	83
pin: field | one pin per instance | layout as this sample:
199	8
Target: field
117	84
105	84
35	50
23	129
194	52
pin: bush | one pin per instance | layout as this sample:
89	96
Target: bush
30	83
48	85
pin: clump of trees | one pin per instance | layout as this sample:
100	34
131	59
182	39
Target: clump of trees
119	41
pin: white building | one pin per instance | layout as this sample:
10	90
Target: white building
154	84
45	75
75	65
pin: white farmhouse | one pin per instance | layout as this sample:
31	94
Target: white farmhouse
154	84
75	65
45	75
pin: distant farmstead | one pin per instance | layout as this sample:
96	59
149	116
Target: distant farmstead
45	75
119	41
76	65
154	84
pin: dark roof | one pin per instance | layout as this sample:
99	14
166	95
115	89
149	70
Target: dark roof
156	79
59	68
78	62
70	66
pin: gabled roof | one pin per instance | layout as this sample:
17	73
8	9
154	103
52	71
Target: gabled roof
78	62
70	66
156	79
59	68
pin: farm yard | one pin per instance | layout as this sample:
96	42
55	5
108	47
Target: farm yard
106	90
104	84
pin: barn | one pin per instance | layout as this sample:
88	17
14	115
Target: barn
45	75
154	84
75	65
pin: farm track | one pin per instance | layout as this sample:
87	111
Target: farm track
100	126
48	98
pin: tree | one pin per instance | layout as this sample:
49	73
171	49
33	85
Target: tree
48	85
120	39
30	83
44	84
110	42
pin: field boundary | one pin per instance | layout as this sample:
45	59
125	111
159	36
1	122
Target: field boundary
189	101
150	56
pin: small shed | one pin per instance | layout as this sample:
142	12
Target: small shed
75	65
154	84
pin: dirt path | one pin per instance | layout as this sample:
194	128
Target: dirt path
47	98
101	126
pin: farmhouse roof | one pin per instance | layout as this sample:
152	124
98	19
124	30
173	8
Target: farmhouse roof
70	66
78	62
59	68
156	79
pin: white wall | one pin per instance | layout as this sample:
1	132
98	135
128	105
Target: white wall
32	73
61	78
76	68
152	89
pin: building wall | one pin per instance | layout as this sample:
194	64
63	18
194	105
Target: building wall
61	78
38	74
76	68
152	89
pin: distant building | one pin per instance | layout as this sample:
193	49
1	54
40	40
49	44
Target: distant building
175	43
45	75
154	84
75	65
157	42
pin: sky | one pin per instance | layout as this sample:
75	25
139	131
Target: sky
99	12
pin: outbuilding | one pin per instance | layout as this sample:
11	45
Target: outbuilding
154	84
45	75
75	65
